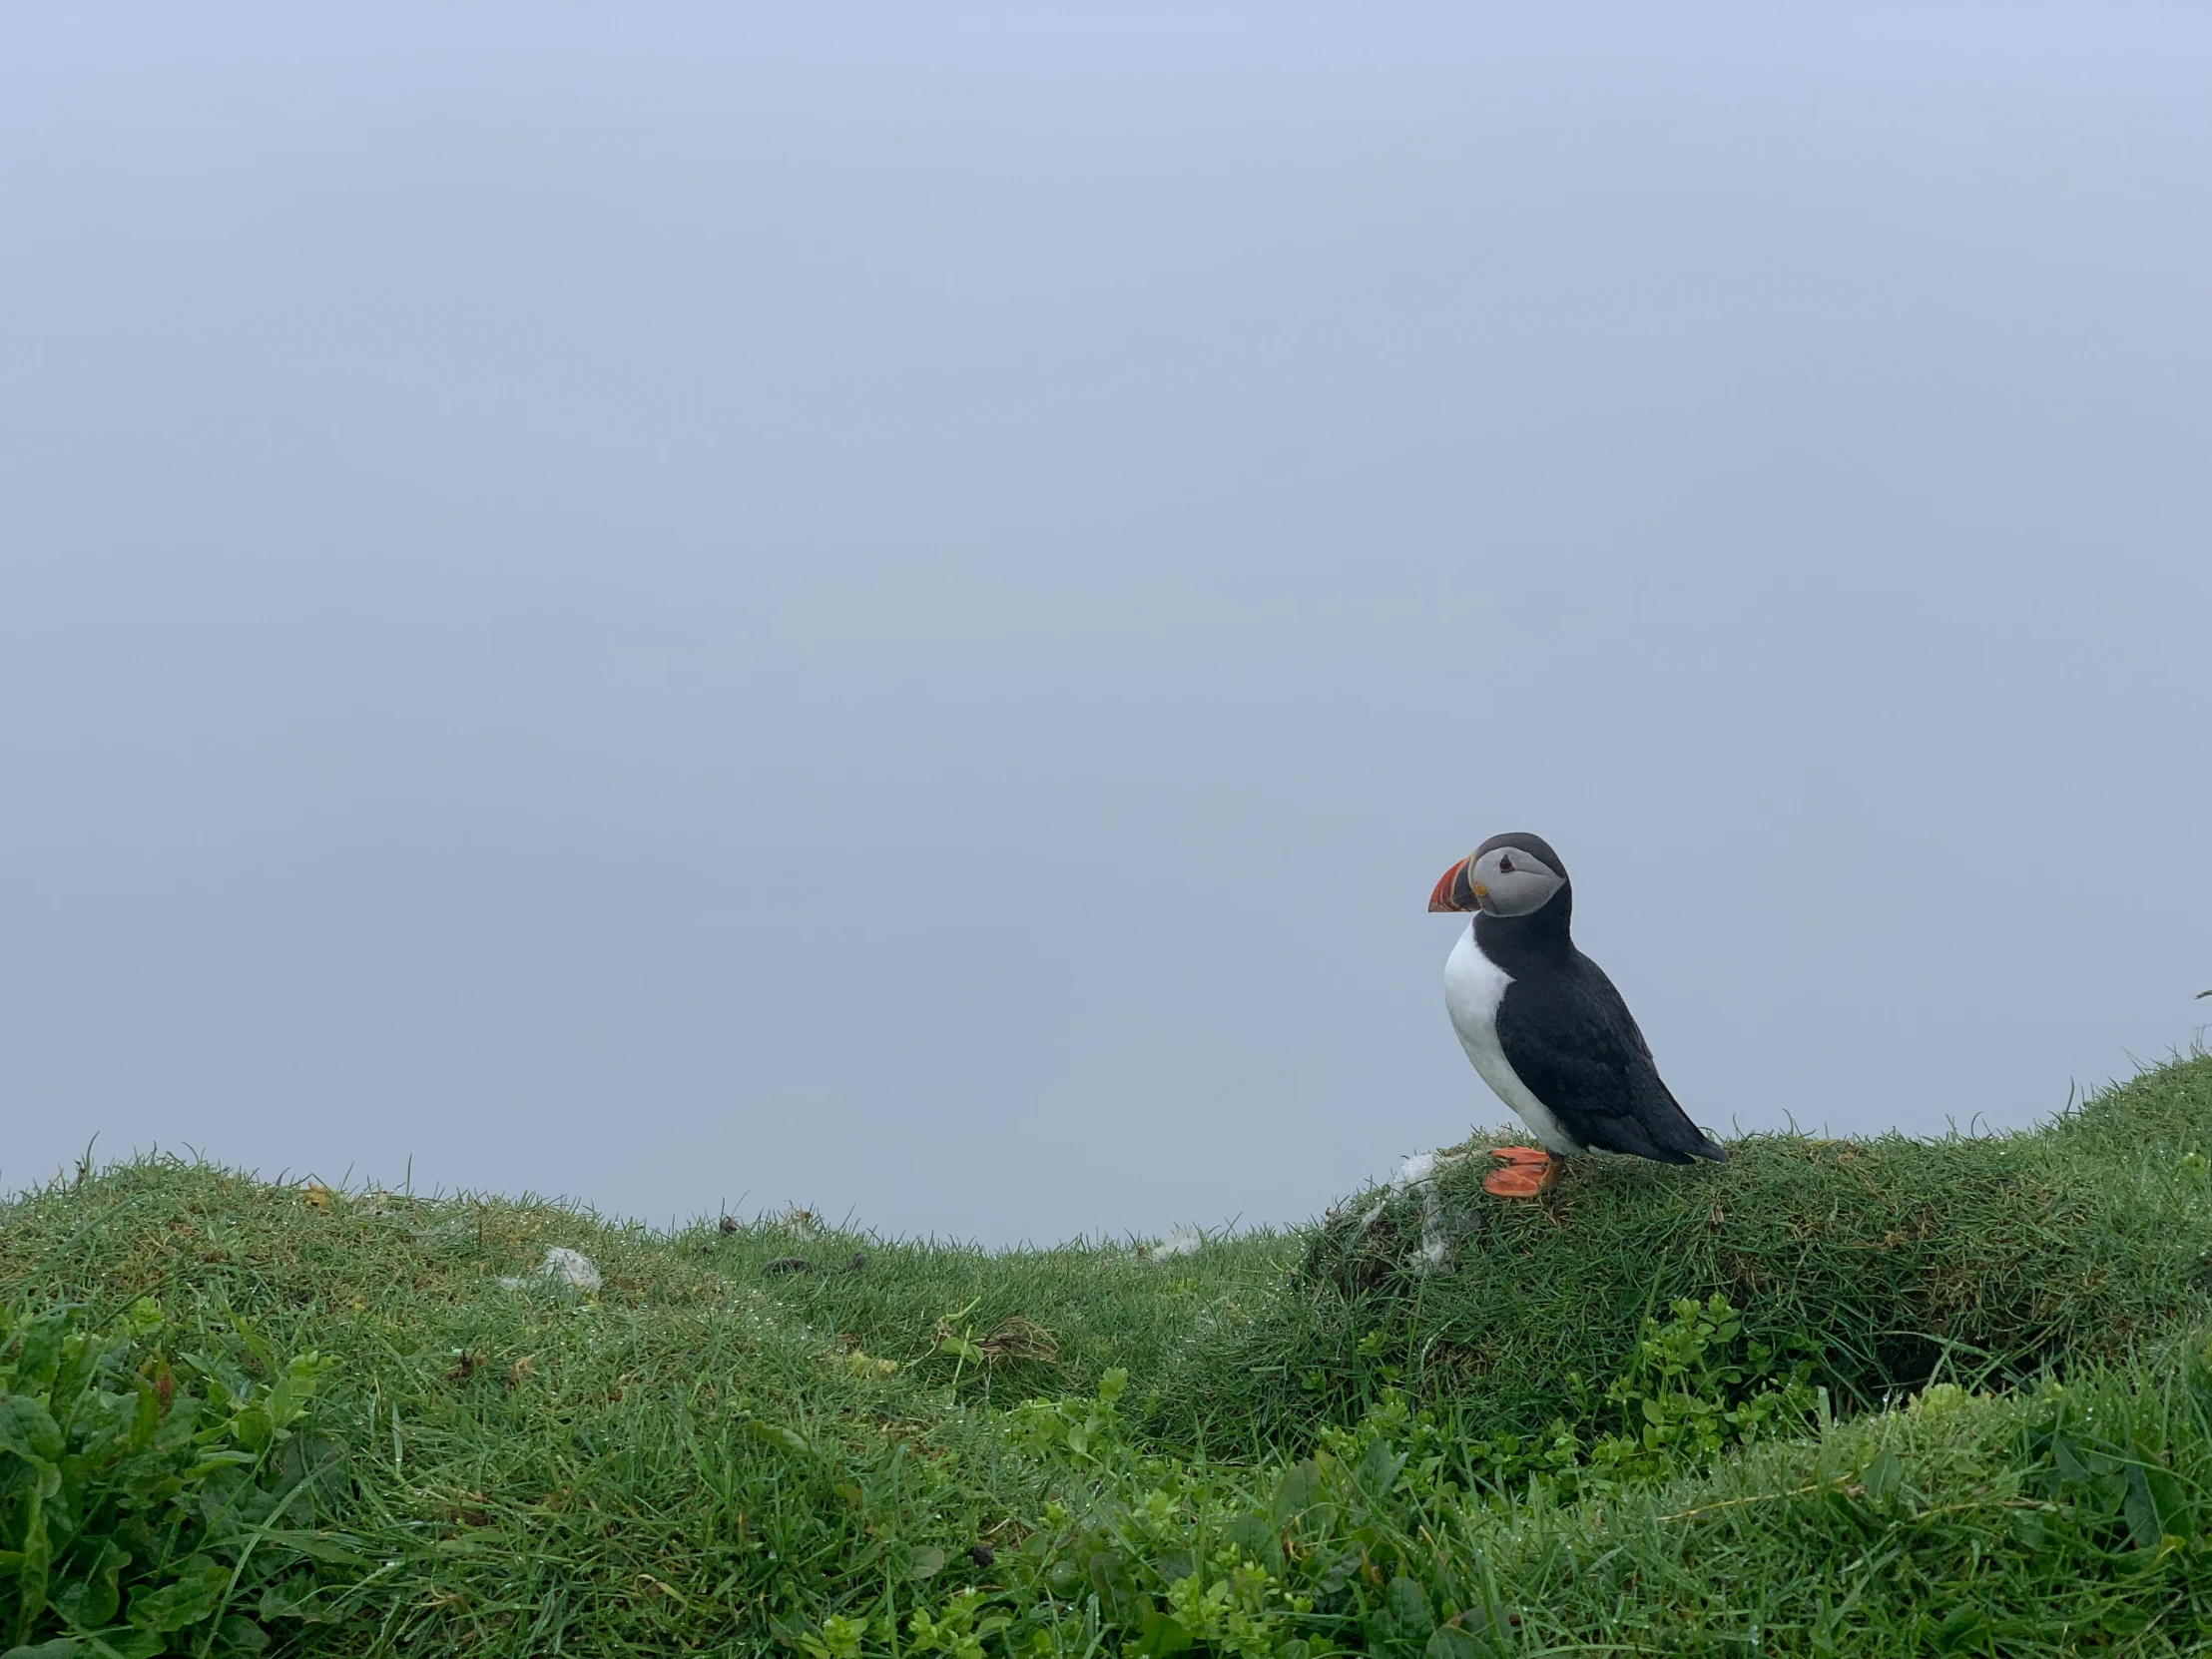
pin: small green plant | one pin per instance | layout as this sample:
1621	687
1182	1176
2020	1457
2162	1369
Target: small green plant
839	1638
147	1501
1087	1430
2110	1479
959	1630
1697	1384
1260	1563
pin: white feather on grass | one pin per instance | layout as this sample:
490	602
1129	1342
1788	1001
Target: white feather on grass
1183	1241
568	1267
1418	1176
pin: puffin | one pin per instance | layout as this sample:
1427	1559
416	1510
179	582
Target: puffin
1545	1029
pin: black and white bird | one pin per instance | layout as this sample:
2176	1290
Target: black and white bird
1545	1027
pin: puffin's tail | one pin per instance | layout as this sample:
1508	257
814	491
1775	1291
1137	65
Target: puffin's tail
1679	1135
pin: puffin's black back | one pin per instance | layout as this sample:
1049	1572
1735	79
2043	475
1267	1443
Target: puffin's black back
1568	1035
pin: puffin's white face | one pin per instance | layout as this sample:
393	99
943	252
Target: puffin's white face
1507	882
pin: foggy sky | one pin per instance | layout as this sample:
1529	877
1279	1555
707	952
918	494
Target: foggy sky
897	609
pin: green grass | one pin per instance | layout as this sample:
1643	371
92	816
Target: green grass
1966	1259
709	1456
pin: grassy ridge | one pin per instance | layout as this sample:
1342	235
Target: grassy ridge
721	1450
1971	1259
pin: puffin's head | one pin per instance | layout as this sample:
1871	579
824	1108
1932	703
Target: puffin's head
1514	874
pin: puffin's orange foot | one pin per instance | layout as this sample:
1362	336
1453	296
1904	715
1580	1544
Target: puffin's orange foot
1528	1173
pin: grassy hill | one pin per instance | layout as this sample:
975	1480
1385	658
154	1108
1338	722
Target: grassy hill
1849	1398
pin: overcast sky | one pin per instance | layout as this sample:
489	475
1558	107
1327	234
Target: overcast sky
898	608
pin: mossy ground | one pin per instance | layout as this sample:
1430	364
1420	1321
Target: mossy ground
709	1455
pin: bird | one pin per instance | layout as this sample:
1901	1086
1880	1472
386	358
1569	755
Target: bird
1544	1026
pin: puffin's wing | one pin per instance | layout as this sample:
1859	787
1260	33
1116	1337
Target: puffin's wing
1573	1040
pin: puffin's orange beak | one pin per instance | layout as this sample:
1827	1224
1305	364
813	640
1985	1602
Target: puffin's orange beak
1455	893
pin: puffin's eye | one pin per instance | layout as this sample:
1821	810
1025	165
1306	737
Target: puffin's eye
1505	866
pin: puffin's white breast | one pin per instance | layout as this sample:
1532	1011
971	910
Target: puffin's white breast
1474	987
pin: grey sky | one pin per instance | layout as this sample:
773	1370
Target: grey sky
898	608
